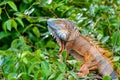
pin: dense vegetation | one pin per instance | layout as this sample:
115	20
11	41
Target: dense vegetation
28	51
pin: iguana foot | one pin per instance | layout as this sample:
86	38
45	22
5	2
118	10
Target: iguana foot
84	70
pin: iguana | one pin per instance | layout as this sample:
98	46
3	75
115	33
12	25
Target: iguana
69	38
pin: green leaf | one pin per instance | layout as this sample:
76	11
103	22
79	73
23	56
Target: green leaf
107	78
7	25
50	44
12	76
31	68
12	5
36	74
64	55
19	14
27	27
117	49
36	31
24	54
3	3
117	58
35	19
45	69
54	75
25	60
116	38
14	24
60	77
0	11
61	66
105	39
4	26
74	75
4	34
20	21
77	65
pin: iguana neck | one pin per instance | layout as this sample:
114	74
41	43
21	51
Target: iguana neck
79	44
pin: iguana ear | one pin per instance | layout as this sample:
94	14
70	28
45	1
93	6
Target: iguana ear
63	34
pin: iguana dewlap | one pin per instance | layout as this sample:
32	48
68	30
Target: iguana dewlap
69	38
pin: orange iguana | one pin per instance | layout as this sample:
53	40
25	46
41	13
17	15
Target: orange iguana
69	38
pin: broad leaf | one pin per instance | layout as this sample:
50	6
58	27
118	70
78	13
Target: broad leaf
12	5
20	21
7	25
14	24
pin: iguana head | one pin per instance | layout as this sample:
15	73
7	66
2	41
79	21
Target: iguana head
62	29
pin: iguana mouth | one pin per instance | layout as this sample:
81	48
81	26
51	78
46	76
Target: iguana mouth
59	41
54	34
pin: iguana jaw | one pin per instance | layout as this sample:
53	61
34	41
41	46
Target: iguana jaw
59	33
58	28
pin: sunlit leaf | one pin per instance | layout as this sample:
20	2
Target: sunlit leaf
60	76
12	76
64	54
61	66
20	21
3	3
105	39
29	12
116	38
31	68
74	75
25	60
36	31
116	58
107	78
117	49
45	69
14	24
7	25
12	5
99	36
50	44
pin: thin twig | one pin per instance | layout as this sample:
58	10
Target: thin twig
97	21
6	12
116	39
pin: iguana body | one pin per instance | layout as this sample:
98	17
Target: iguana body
69	38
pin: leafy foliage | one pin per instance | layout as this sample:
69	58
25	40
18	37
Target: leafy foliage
27	50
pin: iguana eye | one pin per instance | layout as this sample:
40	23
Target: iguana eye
58	21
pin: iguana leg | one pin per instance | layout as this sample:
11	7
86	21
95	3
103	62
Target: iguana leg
76	56
85	68
93	66
88	65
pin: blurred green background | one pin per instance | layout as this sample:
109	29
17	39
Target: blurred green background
29	52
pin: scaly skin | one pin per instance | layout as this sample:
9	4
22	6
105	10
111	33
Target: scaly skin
69	38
